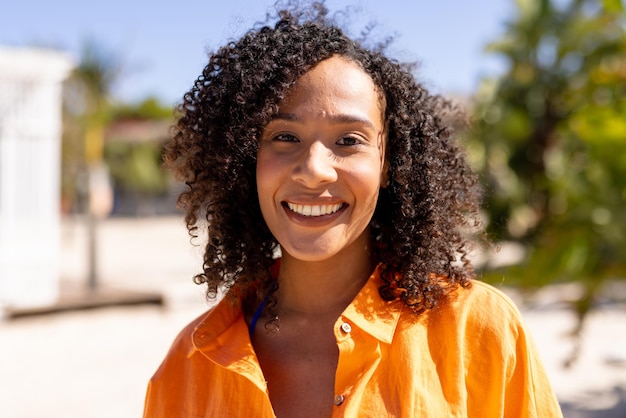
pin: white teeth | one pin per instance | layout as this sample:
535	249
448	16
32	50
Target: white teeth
314	210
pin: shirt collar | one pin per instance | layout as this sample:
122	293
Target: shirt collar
370	312
222	336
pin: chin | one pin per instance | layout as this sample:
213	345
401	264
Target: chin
307	254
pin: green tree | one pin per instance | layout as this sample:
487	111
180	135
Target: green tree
95	76
135	160
88	100
148	109
550	141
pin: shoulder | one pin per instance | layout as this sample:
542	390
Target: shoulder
476	341
484	299
500	354
474	316
180	356
481	303
210	323
174	389
182	345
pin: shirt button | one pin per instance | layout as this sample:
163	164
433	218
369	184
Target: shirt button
339	400
345	327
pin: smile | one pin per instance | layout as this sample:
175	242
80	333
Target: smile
314	210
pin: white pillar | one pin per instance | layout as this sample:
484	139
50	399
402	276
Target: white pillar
30	144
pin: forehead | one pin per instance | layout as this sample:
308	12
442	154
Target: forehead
335	83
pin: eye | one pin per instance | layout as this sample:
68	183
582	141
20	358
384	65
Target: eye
285	138
348	141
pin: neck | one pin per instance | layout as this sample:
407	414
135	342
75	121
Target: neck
323	287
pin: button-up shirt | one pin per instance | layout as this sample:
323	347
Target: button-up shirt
469	357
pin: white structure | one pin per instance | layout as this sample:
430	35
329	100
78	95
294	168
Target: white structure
30	145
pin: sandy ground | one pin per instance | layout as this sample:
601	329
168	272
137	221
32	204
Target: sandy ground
96	363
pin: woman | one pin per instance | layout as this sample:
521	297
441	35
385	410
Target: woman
297	140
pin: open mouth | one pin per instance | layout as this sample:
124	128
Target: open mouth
314	210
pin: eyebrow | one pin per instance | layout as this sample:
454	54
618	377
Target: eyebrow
335	119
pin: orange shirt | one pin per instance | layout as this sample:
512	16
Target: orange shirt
470	357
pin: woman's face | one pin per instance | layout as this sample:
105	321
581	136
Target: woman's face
321	161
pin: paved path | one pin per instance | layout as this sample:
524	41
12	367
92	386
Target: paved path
95	364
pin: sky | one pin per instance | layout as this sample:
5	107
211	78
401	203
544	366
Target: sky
162	45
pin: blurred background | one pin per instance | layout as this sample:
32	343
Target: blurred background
95	261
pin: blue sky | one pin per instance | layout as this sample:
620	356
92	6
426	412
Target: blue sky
163	44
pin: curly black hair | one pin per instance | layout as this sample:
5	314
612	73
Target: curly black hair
422	217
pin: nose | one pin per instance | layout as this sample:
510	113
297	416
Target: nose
315	166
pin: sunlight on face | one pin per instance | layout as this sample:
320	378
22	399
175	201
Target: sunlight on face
321	160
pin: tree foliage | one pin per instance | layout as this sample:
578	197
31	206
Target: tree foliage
92	84
149	109
550	141
86	104
90	109
136	167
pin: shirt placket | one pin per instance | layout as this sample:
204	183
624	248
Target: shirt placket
359	354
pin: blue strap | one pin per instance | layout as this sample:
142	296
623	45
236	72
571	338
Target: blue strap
257	315
259	310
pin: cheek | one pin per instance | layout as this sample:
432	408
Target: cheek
268	178
264	169
367	179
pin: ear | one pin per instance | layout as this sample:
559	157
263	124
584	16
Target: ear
384	171
384	175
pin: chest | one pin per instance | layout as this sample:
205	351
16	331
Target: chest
299	364
302	370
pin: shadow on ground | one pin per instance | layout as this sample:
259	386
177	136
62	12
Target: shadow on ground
611	404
